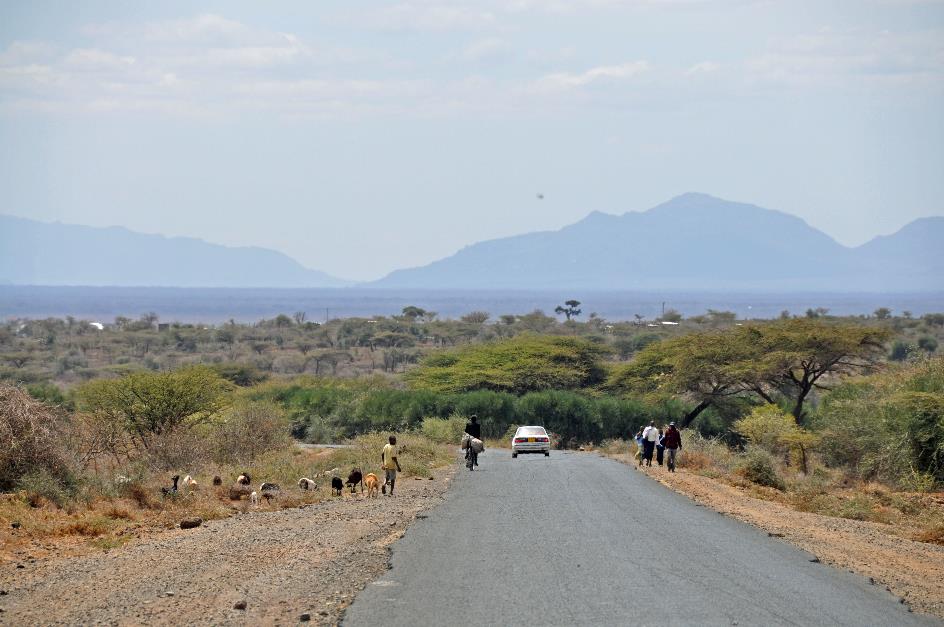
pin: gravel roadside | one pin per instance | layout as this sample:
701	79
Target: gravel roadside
281	564
913	571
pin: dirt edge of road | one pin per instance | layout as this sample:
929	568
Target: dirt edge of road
913	571
281	565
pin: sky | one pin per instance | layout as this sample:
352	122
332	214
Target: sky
361	137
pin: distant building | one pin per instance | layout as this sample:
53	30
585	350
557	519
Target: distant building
97	325
163	326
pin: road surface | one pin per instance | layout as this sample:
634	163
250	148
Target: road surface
576	539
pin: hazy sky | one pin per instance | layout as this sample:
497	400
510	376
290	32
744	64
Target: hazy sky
360	137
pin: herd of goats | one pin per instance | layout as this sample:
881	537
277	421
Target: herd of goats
243	485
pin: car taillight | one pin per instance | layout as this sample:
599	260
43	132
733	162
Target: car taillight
542	439
520	440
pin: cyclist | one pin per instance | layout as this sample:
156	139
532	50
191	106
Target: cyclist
474	429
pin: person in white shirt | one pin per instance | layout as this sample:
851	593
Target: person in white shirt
650	436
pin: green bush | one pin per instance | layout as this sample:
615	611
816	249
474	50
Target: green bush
41	485
889	425
444	430
758	467
324	410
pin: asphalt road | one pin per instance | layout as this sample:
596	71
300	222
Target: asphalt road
576	539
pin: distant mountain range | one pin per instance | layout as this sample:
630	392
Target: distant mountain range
39	253
692	242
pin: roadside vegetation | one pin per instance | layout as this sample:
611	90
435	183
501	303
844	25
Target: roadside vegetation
825	414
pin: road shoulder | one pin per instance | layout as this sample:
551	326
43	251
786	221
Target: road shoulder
283	564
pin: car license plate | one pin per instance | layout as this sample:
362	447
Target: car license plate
531	439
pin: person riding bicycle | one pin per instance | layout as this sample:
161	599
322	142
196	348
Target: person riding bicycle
474	429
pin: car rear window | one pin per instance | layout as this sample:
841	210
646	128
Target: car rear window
532	431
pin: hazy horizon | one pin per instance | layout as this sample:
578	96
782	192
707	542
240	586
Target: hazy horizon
369	280
363	139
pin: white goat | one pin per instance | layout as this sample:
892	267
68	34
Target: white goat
254	498
307	484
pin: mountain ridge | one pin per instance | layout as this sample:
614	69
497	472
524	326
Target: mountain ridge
55	253
692	241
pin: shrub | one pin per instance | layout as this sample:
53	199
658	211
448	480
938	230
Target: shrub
889	425
776	432
248	430
562	412
444	430
176	450
150	404
41	485
242	375
933	533
705	453
758	467
29	444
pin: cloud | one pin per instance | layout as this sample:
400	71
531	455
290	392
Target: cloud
96	60
830	57
485	49
427	16
705	67
565	80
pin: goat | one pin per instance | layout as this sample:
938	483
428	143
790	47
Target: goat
190	483
173	489
354	478
244	479
336	486
254	498
217	480
237	491
269	490
334	472
372	484
307	484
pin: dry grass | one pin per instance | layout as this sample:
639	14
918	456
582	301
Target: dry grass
824	491
933	534
104	515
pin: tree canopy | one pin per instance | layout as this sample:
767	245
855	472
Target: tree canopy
702	367
780	360
152	403
524	364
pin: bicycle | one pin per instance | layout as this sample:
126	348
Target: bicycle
471	458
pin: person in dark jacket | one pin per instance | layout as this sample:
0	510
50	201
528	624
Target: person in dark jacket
673	444
474	429
660	447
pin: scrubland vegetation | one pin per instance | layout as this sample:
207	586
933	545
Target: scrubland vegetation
822	413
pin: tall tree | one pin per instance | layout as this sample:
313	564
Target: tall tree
799	355
704	368
571	309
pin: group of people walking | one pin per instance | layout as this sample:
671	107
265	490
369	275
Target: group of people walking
663	442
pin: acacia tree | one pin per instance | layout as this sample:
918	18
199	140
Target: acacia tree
149	404
782	360
476	317
798	356
570	309
705	368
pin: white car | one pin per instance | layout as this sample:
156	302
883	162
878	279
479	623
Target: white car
531	440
